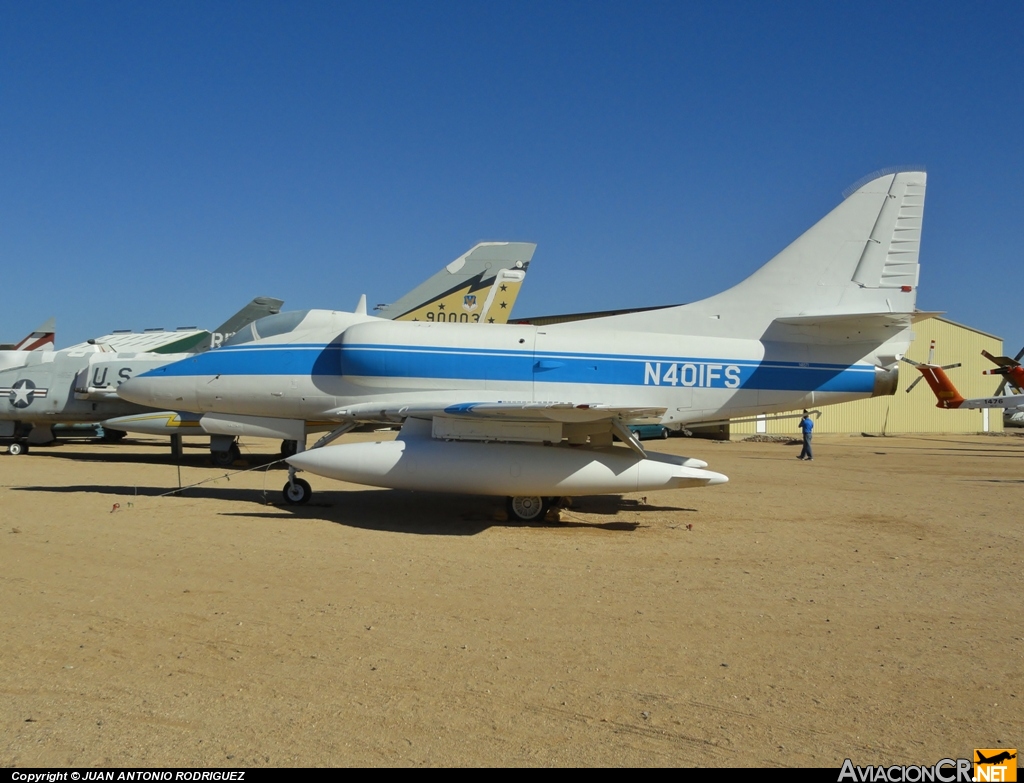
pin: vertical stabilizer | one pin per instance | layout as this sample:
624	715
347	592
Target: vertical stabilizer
479	286
890	257
942	387
41	339
258	308
861	259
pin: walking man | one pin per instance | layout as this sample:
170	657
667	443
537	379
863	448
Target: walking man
806	425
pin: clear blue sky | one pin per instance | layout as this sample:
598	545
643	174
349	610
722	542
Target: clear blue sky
162	163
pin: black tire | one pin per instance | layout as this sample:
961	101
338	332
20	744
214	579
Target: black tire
17	448
664	433
297	492
289	448
527	509
112	436
225	459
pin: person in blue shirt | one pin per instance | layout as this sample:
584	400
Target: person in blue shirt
806	425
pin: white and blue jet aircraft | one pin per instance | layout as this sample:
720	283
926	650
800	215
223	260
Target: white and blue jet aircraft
532	413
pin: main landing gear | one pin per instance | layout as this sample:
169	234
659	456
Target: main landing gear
529	509
227	458
17	448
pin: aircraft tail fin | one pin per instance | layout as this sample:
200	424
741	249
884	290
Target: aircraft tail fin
258	308
935	376
41	339
943	388
1010	369
861	259
479	286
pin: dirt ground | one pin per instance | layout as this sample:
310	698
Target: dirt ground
867	606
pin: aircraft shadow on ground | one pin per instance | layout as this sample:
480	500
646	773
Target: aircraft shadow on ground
397	511
212	492
199	460
401	511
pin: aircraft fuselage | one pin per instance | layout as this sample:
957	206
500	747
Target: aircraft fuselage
74	386
386	364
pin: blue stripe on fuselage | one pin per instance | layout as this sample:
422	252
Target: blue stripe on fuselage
478	364
264	360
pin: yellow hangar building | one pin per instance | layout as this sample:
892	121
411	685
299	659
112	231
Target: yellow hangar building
914	412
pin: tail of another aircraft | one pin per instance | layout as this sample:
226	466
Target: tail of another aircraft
1010	369
943	388
948	396
480	286
852	277
258	308
41	339
935	376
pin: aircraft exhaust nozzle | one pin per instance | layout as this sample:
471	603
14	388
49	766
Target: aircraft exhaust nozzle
500	468
886	381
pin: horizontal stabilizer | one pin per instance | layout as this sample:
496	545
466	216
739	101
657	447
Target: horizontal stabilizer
851	320
847	320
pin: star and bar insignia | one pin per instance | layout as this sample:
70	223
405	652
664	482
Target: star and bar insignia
23	393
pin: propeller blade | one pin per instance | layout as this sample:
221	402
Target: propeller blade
931	352
951	366
916	381
1020	353
1002	387
1003	361
911	362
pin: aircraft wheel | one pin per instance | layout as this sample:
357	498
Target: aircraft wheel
226	459
664	433
527	509
297	493
17	448
113	436
289	448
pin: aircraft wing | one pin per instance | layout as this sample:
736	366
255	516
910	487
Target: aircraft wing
564	412
593	423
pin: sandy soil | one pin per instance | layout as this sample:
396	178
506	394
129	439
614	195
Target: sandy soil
866	605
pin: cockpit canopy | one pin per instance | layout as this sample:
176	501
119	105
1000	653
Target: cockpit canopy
268	326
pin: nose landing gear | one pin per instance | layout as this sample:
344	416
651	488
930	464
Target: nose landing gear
297	492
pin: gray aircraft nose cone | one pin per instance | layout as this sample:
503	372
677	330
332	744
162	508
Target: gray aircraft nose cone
137	390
